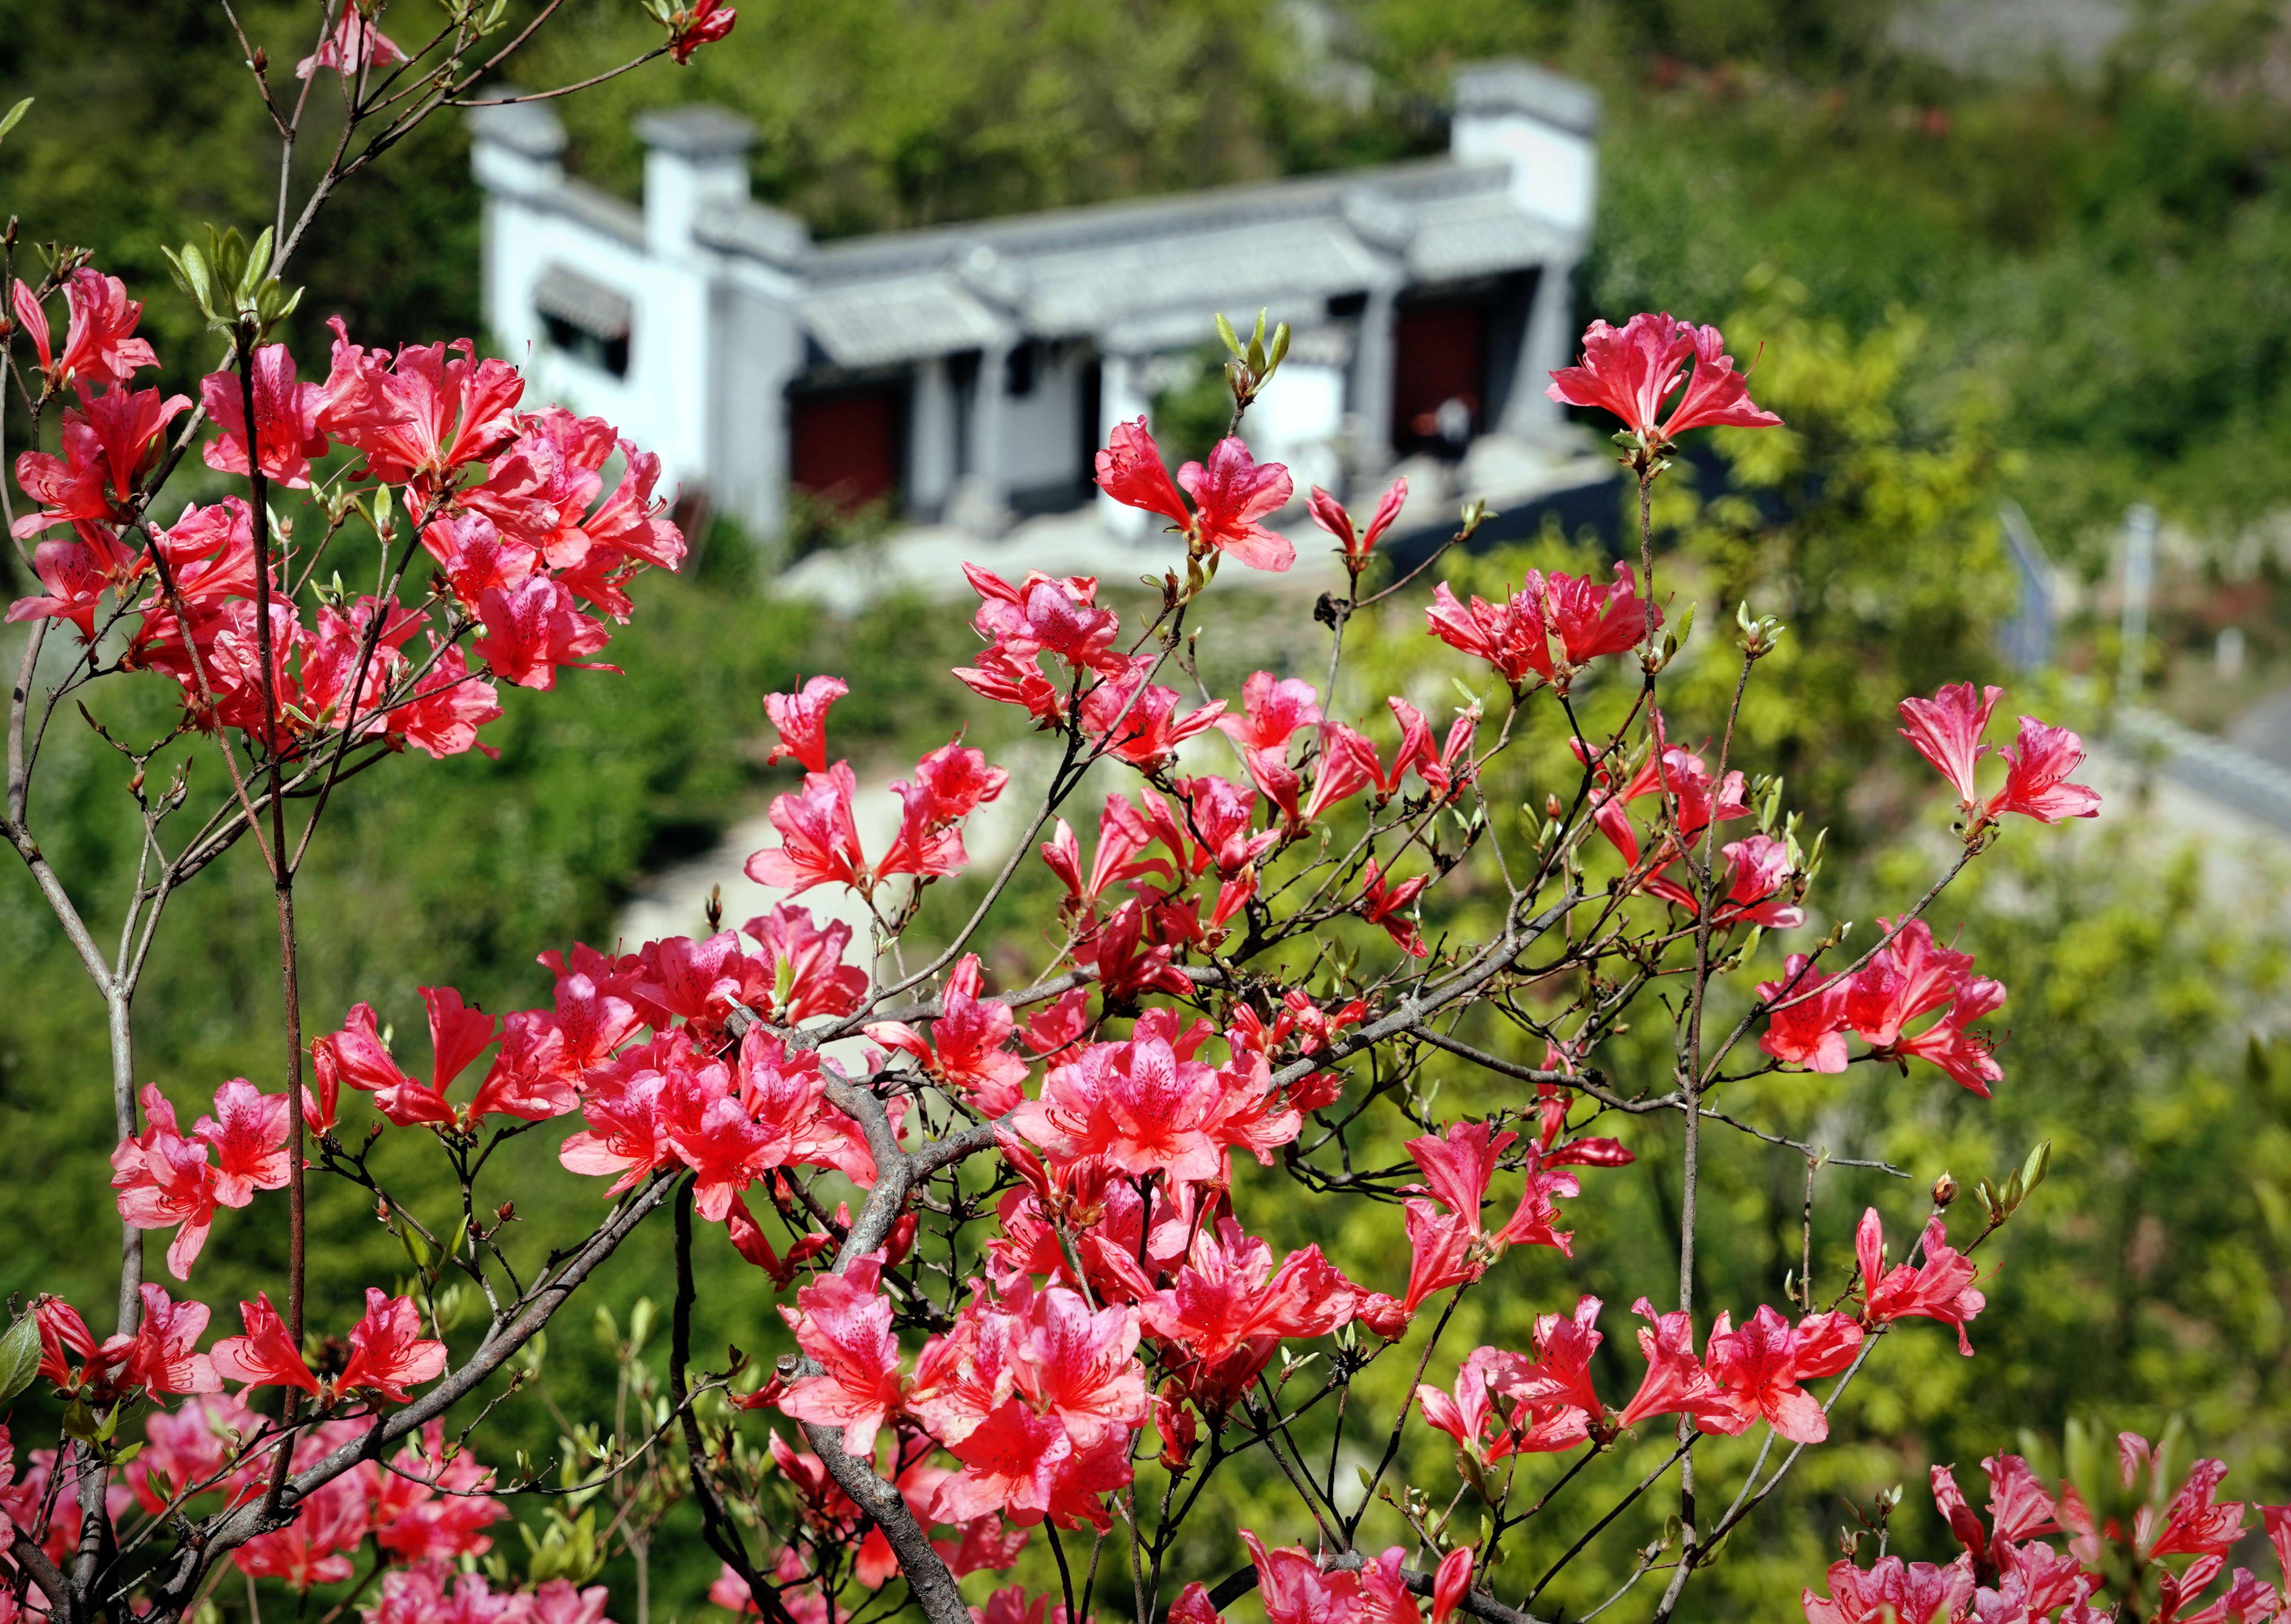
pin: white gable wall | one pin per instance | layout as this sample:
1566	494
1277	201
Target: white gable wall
524	243
1041	429
718	288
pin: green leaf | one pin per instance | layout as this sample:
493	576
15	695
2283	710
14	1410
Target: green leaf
8	119
193	274
424	1255
2040	1163
257	270
1225	330
20	1356
79	1421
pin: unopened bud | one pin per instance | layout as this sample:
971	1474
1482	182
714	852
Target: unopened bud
1551	806
506	1213
261	61
381	1212
1944	1190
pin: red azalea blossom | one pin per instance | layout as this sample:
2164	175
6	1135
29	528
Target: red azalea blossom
100	346
800	719
1893	1589
1131	471
845	1323
1357	544
163	1180
353	46
1232	494
388	1353
286	429
704	23
2037	765
1632	370
265	1356
1676	1382
1940	1288
819	840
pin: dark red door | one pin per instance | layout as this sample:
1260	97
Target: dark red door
844	445
1439	358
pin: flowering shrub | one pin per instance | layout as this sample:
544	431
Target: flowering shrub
1005	1225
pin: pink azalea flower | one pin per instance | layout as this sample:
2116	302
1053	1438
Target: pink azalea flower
1946	730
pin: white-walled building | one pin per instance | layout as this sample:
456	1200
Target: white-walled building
968	372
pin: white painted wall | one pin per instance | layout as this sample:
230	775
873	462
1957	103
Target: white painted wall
1554	173
1298	419
712	340
1041	429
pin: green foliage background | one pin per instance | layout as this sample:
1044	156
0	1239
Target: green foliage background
2064	289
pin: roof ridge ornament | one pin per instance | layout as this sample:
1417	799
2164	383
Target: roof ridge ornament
992	276
1379	218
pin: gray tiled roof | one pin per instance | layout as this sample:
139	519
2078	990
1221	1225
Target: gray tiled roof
773	236
698	131
599	209
570	296
1143	273
1458	237
1522	87
529	127
898	318
1085	290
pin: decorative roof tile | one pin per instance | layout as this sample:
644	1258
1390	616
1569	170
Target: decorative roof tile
877	321
591	306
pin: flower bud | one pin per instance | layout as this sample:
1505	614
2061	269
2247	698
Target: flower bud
1944	1190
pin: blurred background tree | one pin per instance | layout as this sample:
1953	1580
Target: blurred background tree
2060	287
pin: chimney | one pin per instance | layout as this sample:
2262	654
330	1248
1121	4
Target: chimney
1544	125
517	148
696	160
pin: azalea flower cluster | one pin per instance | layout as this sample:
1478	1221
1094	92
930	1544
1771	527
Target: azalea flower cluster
1504	1403
1517	636
424	1510
386	1352
2152	1544
1909	977
1765	877
530	539
1016	1228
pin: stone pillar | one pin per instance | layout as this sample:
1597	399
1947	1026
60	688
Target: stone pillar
932	452
1122	399
1544	348
982	503
1373	361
